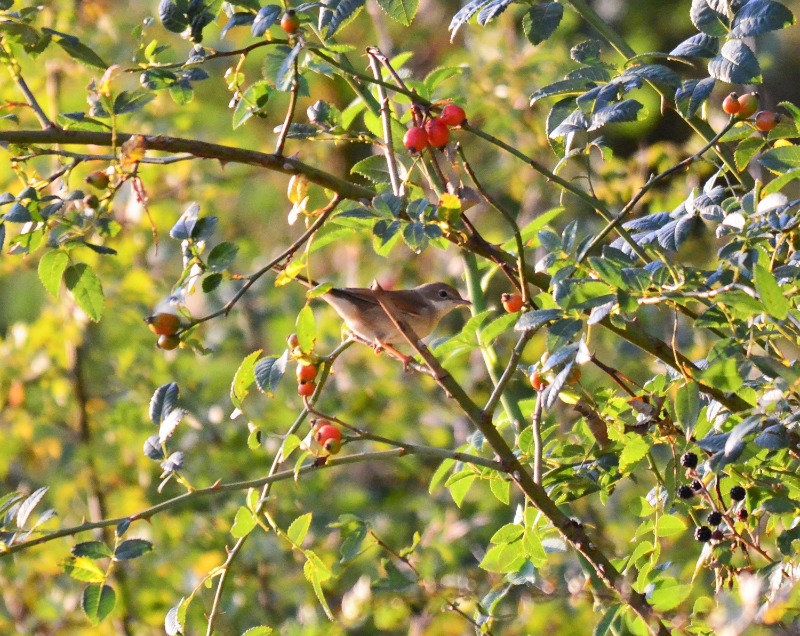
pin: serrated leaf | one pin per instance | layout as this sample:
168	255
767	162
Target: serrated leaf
403	11
760	16
700	45
76	49
492	10
92	550
170	423
97	602
780	160
298	529
132	549
83	569
243	524
625	111
86	289
533	320
735	64
268	373
541	21
692	95
746	150
463	16
707	19
51	270
163	401
173	621
723	375
687	406
222	257
770	293
265	18
633	451
574	86
335	13
306	329
243	378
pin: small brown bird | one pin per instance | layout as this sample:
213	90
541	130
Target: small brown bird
421	308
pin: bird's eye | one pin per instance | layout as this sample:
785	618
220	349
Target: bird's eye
443	293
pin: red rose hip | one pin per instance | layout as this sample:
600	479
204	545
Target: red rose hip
438	132
453	115
416	139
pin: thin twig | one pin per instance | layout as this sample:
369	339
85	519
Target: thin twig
287	253
89	157
536	429
386	119
509	371
13	69
508	217
287	122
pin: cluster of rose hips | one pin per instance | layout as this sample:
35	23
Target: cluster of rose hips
436	130
704	533
744	106
306	370
327	436
166	326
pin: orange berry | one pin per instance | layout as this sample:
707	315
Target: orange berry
766	120
415	139
537	381
574	375
306	389
511	302
168	343
748	105
98	179
290	22
453	115
163	324
328	436
306	372
730	104
438	132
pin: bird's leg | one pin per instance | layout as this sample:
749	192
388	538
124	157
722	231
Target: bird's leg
406	360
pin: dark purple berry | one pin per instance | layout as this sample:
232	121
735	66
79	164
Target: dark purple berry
697	485
685	492
717	536
742	515
714	518
689	460
738	493
702	534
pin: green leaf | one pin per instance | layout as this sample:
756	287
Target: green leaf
403	11
603	626
244	378
269	371
132	549
501	489
687	406
86	289
669	525
780	160
459	484
634	450
181	93
707	19
746	150
51	270
75	49
316	572
723	375
445	467
669	597
299	529
503	558
253	101
770	294
97	602
306	329
243	523
91	549
541	21
83	569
